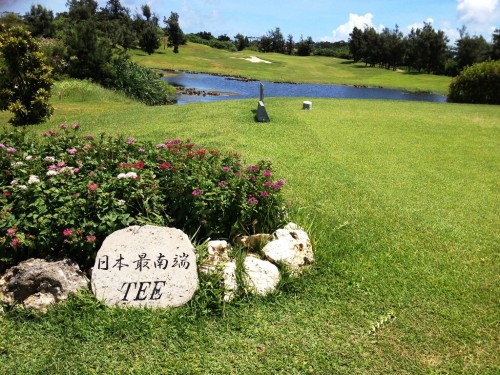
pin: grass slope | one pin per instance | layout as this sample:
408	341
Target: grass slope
402	201
284	68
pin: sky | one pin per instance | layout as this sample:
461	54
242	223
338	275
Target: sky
323	20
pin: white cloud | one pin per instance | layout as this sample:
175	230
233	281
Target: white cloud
355	20
419	25
477	12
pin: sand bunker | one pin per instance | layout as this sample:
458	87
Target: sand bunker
253	59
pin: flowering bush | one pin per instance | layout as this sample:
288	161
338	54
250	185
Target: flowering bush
62	194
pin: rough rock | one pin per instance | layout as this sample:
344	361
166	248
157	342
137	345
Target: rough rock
261	276
145	266
255	241
37	283
291	247
217	258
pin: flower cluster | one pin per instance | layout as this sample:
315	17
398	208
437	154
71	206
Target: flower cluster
63	194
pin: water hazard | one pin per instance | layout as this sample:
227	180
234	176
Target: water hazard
207	88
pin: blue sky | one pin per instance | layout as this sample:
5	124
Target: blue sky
330	20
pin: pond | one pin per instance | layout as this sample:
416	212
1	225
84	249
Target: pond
206	88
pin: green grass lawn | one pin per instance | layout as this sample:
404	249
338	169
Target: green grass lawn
402	202
284	68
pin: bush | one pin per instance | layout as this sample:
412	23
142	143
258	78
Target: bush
479	83
25	79
214	43
139	83
63	194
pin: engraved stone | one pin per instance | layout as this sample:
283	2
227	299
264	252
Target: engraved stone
145	266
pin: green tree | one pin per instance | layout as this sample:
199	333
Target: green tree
174	31
470	49
241	42
289	44
40	21
25	80
356	42
305	47
149	40
495	45
479	83
89	51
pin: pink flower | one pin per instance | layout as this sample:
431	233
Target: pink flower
264	194
75	126
72	151
67	232
93	187
227	169
90	239
222	183
197	192
281	182
131	140
61	164
267	173
253	200
63	126
14	243
88	138
11	232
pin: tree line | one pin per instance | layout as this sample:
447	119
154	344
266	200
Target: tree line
423	49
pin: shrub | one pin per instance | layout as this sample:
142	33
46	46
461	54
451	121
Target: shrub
479	83
61	195
140	83
25	80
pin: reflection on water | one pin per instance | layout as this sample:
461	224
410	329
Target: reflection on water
237	89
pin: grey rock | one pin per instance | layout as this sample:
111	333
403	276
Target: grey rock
37	283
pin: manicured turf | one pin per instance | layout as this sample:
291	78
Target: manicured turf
401	200
284	68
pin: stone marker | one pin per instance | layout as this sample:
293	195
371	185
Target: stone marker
145	266
261	93
261	114
307	105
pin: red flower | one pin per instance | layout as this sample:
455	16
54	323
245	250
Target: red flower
165	165
139	165
6	193
67	232
93	187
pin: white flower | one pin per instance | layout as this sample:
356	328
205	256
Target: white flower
22	187
16	164
29	157
52	173
131	175
120	202
33	179
14	182
50	159
121	175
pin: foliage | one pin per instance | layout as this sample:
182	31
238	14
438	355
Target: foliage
214	43
62	195
149	40
479	83
139	83
40	21
424	49
174	32
337	49
25	79
305	47
273	41
88	50
471	50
